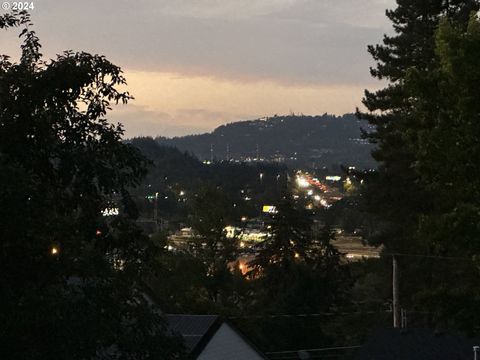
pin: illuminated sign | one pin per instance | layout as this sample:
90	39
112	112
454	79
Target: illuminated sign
269	209
110	212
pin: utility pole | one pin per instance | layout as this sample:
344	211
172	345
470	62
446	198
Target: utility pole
395	307
403	314
155	212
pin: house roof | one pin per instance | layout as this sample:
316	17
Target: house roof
196	330
416	344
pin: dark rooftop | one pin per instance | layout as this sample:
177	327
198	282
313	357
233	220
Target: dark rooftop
416	344
196	330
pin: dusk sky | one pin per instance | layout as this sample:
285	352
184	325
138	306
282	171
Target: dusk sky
195	64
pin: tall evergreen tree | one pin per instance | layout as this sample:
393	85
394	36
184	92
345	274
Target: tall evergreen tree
395	193
211	245
446	104
296	270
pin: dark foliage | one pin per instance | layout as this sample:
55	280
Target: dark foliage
70	277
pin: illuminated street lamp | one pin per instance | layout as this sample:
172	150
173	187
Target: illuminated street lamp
54	250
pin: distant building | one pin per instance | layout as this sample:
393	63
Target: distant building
208	337
353	247
416	344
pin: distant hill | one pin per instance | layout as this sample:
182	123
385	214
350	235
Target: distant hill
312	141
173	172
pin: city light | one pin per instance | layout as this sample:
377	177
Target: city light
324	203
54	251
302	182
230	231
110	212
269	209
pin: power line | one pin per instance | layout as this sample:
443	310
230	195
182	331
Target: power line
315	350
308	315
430	256
344	313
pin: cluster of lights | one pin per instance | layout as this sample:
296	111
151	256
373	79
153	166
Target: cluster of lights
110	212
302	182
305	182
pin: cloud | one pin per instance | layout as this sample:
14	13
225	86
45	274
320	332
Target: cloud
353	13
288	41
194	64
179	104
224	9
139	121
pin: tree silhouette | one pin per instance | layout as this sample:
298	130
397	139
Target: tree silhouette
70	284
296	270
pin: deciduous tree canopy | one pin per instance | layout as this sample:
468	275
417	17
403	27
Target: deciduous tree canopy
70	276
